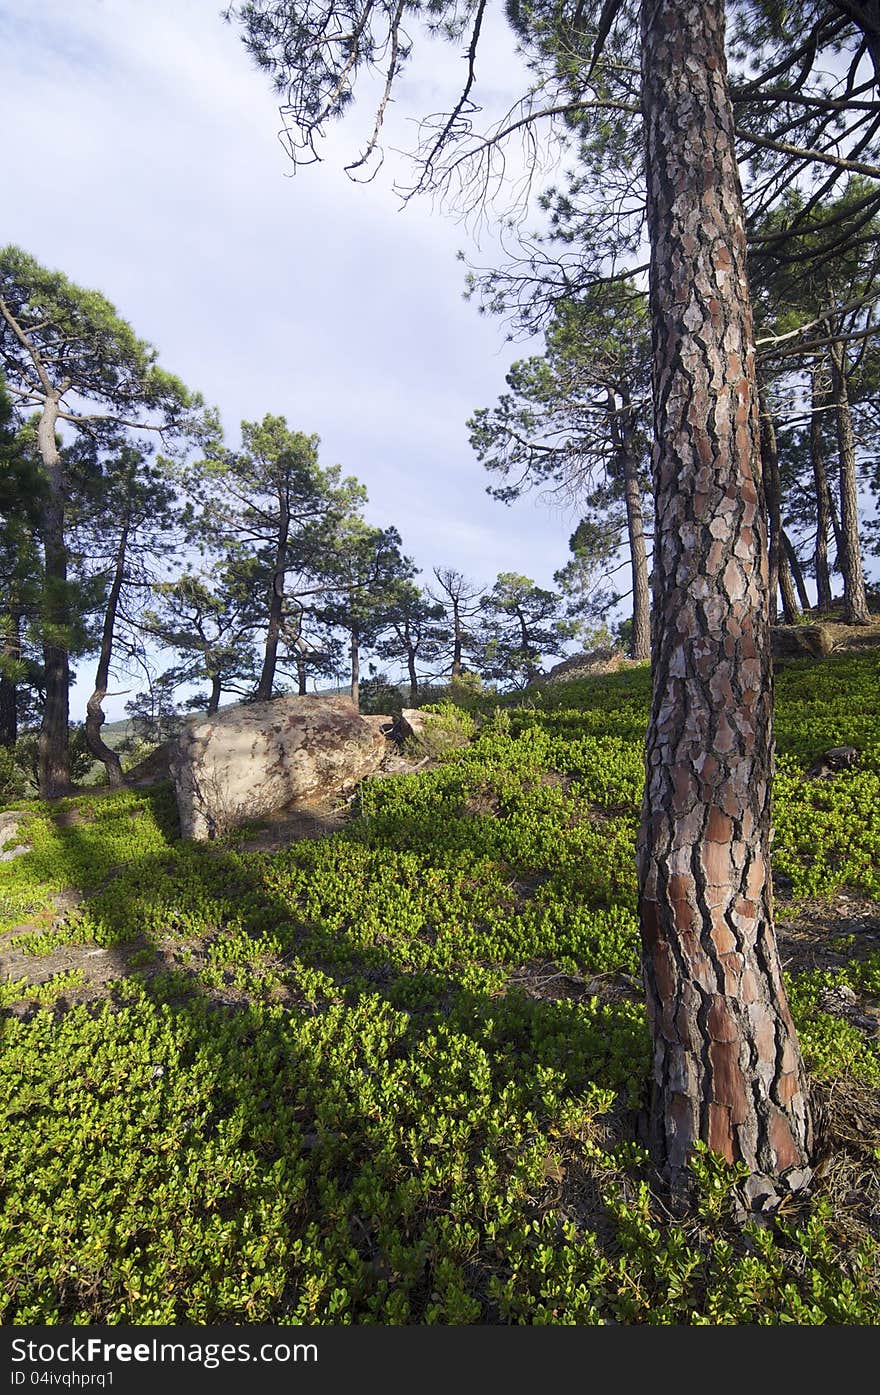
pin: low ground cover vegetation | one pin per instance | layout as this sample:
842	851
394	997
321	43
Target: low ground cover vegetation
395	1075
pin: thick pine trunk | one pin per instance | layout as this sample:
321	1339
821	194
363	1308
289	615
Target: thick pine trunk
855	602
824	594
727	1068
632	494
94	707
54	743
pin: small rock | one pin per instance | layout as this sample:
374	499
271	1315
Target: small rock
841	996
760	1193
838	758
798	1178
801	641
10	822
9	853
412	722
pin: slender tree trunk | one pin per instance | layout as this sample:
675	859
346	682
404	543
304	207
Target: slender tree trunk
530	669
824	594
780	572
10	649
276	612
836	528
772	491
622	428
410	646
94	707
795	570
632	494
355	666
54	744
216	693
413	675
301	674
456	641
727	1068
855	602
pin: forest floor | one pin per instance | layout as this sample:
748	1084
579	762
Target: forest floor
818	933
388	1061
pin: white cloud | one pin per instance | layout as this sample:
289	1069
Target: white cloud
144	163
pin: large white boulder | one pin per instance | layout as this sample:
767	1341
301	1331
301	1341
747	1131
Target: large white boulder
257	759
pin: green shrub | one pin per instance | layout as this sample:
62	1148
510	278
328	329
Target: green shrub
392	1076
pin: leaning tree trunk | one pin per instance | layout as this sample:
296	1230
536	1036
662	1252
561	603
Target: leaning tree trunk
791	612
54	743
94	707
796	574
824	594
632	494
855	601
727	1067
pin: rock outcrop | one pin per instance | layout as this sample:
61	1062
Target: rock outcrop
258	759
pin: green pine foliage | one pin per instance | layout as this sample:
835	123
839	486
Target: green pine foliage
393	1076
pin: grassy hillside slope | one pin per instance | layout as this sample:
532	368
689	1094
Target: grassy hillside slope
395	1075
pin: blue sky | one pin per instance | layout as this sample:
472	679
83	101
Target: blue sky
145	163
